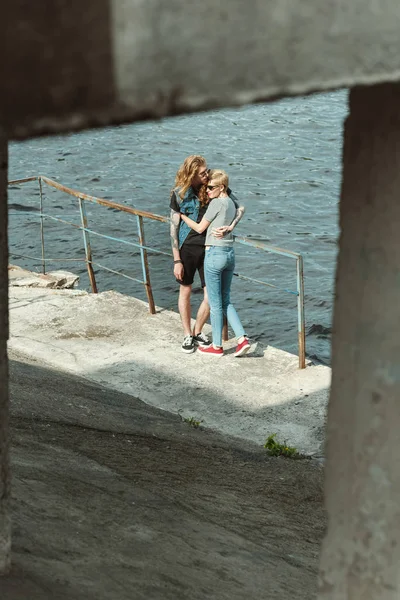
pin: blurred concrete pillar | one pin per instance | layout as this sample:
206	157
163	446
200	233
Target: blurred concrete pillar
5	521
361	552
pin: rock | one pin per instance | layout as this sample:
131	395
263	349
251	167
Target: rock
66	280
317	329
55	279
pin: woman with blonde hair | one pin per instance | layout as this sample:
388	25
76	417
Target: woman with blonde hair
190	197
219	263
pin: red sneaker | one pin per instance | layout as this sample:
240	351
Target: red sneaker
210	350
242	348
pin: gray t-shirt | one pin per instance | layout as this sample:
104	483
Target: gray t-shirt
220	211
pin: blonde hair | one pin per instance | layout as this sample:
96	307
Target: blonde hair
219	177
187	172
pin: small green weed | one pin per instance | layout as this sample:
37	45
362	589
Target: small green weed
193	422
277	449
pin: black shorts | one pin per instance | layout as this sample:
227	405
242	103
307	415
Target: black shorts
192	256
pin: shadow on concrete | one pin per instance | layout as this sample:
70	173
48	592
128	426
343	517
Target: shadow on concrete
241	397
113	498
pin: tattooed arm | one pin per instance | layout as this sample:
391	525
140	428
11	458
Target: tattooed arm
175	218
239	214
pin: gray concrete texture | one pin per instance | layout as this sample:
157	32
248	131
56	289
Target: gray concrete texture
52	279
108	61
116	500
112	339
361	551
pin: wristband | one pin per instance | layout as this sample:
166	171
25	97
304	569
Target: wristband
178	261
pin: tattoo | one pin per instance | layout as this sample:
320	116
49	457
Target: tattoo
239	209
239	214
174	229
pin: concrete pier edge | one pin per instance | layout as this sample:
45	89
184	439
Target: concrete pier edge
111	339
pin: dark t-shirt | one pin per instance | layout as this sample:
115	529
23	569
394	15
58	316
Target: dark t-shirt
193	238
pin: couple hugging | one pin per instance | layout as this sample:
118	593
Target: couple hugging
203	214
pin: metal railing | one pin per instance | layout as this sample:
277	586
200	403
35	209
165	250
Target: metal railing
144	249
301	333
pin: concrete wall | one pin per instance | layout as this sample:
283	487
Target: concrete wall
70	65
5	523
361	553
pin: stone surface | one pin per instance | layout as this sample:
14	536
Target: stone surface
113	340
114	499
361	552
19	277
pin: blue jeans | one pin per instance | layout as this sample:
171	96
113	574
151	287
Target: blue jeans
218	271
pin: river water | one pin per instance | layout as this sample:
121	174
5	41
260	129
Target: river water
284	163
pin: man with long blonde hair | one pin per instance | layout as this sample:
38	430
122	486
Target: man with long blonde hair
189	197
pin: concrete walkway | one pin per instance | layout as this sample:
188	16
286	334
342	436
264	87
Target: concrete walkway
111	339
114	499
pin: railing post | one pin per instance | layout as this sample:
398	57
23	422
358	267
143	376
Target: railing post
42	226
145	266
300	313
88	249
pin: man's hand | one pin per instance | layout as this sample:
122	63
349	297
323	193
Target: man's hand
178	271
219	232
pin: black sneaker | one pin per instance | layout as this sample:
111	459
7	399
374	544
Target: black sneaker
201	340
188	344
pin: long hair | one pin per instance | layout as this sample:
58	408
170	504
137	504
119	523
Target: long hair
187	172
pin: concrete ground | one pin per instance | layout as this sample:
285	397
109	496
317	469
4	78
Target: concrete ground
112	340
115	495
115	499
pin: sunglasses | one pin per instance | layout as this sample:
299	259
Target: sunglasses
212	187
